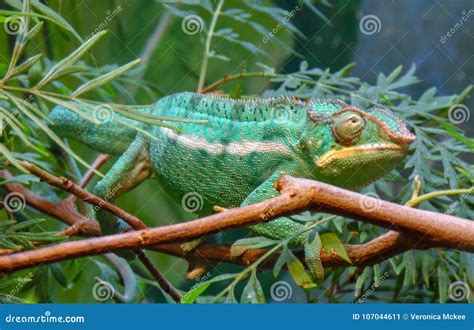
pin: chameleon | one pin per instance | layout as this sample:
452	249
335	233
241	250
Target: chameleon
235	155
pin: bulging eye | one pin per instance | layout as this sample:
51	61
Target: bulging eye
347	128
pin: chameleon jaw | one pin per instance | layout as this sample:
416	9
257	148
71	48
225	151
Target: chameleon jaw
339	163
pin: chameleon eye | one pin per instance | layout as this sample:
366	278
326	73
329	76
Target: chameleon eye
347	128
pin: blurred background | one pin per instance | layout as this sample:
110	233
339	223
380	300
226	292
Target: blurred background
407	32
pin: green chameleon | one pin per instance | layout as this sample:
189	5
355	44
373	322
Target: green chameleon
237	155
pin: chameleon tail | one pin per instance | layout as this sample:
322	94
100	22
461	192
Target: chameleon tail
110	136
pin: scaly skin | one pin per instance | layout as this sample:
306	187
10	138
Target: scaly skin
236	156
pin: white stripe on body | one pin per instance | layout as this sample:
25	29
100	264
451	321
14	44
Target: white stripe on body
240	148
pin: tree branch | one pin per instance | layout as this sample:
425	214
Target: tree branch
429	229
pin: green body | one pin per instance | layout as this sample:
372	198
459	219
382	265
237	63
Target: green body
235	157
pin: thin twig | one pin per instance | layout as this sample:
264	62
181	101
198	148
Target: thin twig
68	185
207	47
159	278
242	75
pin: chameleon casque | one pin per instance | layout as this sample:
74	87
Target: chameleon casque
235	158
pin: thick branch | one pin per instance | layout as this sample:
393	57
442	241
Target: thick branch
375	251
432	229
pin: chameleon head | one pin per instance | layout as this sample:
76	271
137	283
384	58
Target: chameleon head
364	145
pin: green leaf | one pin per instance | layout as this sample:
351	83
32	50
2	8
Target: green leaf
332	243
453	131
21	178
197	290
55	17
104	79
6	244
59	275
361	280
298	272
244	244
24	225
442	284
253	292
426	267
281	261
28	63
68	61
8	155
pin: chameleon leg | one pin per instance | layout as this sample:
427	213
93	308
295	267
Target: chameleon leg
279	228
283	227
130	170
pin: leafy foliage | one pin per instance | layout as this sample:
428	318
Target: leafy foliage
32	84
15	236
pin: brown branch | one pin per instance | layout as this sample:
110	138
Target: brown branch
69	186
159	278
62	211
429	228
372	252
79	222
98	162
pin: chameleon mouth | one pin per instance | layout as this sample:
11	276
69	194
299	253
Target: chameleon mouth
367	152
